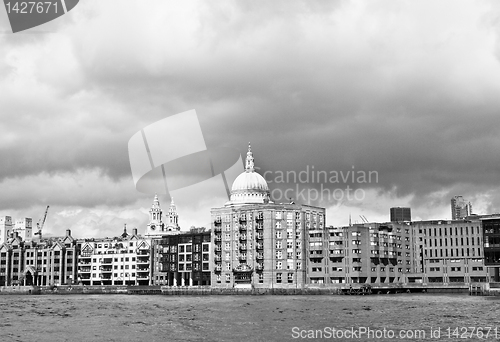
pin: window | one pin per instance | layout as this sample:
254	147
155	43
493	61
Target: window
278	278
290	278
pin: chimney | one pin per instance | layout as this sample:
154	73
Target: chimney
68	232
134	231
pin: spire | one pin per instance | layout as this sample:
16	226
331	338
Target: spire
156	202
173	208
249	162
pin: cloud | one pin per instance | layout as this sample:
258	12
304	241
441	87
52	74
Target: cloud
407	89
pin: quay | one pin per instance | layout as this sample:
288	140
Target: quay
477	289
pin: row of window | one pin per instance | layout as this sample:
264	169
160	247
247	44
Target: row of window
464	252
444	231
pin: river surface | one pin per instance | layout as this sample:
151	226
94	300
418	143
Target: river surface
410	317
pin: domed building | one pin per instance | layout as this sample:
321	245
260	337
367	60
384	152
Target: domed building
249	187
258	243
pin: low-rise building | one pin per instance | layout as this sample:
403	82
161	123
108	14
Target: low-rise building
50	261
182	259
123	260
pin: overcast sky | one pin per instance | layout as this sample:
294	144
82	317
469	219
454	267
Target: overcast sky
406	89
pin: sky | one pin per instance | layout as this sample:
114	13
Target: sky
406	91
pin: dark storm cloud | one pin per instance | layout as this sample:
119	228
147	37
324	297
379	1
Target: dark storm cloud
385	87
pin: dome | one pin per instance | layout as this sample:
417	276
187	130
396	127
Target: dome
250	181
249	187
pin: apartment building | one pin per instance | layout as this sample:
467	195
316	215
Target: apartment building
183	259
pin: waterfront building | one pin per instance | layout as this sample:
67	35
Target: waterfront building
399	214
452	251
122	260
371	253
460	208
259	243
182	259
491	236
51	261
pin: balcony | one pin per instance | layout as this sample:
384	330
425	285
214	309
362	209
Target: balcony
217	258
218	239
259	217
259	226
218	248
142	270
259	236
143	261
243	228
218	220
107	261
259	246
242	257
106	269
243	247
218	268
260	256
217	228
259	267
243	237
243	218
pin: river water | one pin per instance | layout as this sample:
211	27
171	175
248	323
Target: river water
410	317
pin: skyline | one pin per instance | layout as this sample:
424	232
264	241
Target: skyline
407	90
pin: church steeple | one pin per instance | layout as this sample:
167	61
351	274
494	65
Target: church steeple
249	161
173	218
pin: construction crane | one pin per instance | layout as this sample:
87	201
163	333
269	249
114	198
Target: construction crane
40	225
363	218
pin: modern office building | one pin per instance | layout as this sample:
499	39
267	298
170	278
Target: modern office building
182	259
491	236
259	243
399	214
460	208
452	251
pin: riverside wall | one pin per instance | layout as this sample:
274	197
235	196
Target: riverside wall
485	289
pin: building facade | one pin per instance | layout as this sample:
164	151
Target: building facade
182	259
123	260
399	214
452	251
460	208
51	261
